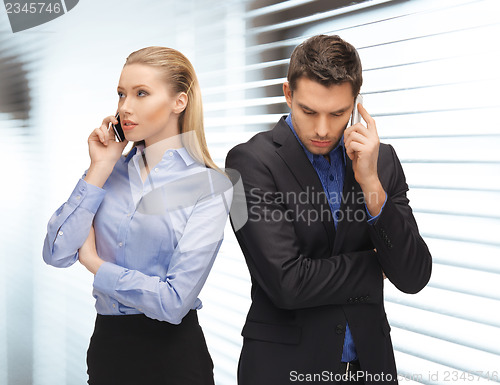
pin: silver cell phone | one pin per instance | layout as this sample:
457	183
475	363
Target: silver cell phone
356	118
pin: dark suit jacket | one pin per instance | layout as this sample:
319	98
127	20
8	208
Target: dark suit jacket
308	279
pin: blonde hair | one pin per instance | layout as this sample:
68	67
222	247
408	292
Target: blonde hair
179	73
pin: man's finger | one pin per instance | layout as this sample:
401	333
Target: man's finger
354	147
359	128
366	116
355	137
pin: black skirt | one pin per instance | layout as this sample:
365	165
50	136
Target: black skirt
137	350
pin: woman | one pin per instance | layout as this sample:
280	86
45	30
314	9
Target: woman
158	214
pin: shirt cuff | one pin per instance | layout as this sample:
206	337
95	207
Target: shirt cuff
107	276
373	219
87	196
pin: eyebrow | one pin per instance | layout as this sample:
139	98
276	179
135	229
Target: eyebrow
344	109
138	86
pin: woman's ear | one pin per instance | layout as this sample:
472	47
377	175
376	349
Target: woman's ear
180	102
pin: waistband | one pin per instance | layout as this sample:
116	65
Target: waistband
140	324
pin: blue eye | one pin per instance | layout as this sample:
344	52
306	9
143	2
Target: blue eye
142	93
120	94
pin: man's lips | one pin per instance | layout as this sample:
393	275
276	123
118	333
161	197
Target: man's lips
321	143
128	125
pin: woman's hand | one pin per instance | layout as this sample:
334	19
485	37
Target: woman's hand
87	254
104	152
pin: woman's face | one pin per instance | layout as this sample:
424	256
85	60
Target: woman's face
148	108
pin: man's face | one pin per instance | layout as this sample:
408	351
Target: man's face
319	114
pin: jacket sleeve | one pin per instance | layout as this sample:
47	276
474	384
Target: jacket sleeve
291	279
401	251
70	225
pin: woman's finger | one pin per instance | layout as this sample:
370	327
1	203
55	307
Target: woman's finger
97	134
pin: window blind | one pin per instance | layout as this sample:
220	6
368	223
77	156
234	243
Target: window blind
431	82
18	201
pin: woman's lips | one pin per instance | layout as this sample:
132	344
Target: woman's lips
128	125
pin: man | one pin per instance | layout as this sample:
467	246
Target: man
328	219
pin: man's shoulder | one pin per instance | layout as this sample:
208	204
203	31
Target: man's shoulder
390	169
260	144
385	149
387	154
259	141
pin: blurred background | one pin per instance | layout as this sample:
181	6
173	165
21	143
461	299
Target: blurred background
431	80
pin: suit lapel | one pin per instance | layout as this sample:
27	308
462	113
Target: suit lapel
296	160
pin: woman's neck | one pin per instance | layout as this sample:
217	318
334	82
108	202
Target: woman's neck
153	153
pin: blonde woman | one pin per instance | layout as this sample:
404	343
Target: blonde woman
148	225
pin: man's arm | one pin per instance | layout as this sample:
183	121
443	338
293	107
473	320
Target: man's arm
403	254
271	247
401	251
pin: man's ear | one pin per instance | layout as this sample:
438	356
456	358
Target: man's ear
288	94
180	102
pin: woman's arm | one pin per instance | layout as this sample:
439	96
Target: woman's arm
87	254
69	227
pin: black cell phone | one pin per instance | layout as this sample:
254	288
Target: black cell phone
117	128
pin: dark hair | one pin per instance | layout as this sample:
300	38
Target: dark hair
326	59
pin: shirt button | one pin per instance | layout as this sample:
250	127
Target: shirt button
114	306
60	233
78	197
157	169
120	244
331	177
170	154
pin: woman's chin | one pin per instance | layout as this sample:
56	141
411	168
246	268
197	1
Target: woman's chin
133	138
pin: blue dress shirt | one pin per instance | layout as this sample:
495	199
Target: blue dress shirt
158	238
331	175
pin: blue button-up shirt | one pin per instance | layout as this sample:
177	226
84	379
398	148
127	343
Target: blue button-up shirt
158	238
331	175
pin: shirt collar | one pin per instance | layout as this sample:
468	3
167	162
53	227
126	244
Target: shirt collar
131	154
186	157
309	154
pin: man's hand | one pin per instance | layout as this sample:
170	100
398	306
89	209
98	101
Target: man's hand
87	254
362	144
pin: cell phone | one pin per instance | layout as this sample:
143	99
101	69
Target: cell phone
117	128
356	118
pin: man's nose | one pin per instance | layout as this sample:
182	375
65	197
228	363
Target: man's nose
322	127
